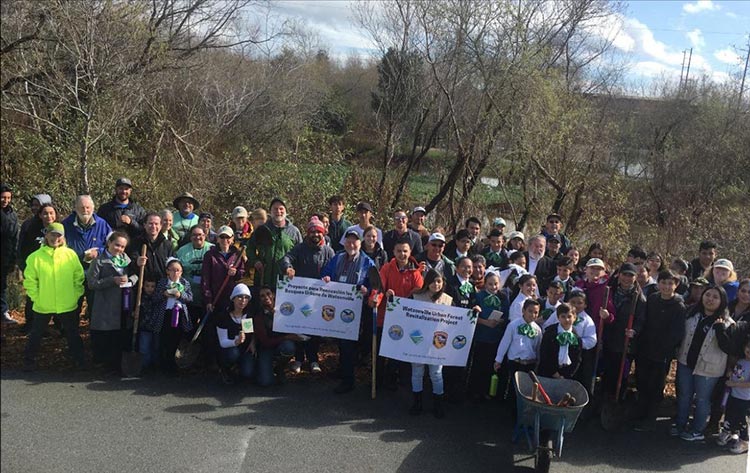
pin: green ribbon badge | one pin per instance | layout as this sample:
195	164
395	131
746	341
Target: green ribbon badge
119	261
177	285
526	330
567	338
492	301
466	288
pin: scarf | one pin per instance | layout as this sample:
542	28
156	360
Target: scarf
526	330
565	339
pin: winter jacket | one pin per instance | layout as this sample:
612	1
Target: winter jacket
213	272
106	313
377	255
614	333
112	211
263	326
269	253
9	234
595	299
401	281
160	307
334	269
53	280
565	243
391	237
192	267
498	260
484	333
80	239
712	361
448	270
661	328
157	252
29	239
545	271
307	260
732	338
460	299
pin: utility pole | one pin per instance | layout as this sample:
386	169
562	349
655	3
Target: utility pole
687	72
682	71
744	74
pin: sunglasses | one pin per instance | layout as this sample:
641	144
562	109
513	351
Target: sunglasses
224	237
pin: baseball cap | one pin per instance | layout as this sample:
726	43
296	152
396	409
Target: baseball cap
724	263
436	237
239	211
419	209
595	262
628	268
123	181
364	206
225	230
353	233
499	221
56	227
699	282
516	234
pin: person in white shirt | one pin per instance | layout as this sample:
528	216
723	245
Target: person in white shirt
583	326
520	343
364	211
527	290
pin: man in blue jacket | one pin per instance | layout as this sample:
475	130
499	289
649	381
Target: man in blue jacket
86	234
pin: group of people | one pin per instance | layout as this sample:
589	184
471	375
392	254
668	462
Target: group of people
542	303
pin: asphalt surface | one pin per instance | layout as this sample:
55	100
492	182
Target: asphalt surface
70	422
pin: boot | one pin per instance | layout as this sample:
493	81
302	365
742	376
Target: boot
416	407
437	406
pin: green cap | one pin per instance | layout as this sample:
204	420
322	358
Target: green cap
56	227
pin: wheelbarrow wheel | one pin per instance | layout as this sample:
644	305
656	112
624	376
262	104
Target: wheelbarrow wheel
543	456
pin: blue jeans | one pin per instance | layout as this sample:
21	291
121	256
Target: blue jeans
148	347
285	350
436	376
244	359
689	385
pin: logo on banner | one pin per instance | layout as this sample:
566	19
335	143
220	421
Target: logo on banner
347	315
328	312
439	339
459	341
395	332
306	310
416	337
287	308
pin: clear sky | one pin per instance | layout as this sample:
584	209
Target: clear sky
651	34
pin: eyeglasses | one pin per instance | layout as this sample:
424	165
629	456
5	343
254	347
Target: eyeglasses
242	297
398	219
199	235
437	244
224	237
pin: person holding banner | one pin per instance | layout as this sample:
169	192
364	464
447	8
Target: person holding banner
274	346
400	277
433	291
520	343
306	260
349	267
234	330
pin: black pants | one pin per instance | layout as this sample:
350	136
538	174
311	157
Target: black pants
650	378
586	371
170	340
69	322
612	362
106	347
482	368
735	418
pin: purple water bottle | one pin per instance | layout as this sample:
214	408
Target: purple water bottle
126	299
175	315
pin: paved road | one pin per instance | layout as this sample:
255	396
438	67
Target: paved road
67	422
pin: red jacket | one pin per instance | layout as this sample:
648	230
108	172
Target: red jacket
402	282
594	296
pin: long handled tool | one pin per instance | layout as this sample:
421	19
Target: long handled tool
377	287
599	340
612	415
187	353
131	361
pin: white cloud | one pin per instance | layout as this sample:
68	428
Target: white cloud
655	69
699	6
696	38
732	15
613	29
650	45
728	56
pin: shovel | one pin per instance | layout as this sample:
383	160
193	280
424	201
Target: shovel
599	342
131	362
188	351
613	413
377	286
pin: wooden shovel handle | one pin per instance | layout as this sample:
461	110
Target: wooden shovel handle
137	311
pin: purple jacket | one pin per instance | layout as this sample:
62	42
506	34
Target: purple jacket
214	271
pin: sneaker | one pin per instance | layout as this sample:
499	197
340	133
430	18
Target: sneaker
740	446
675	430
7	319
724	438
692	436
296	367
315	367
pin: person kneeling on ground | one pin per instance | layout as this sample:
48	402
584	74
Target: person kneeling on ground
234	329
273	345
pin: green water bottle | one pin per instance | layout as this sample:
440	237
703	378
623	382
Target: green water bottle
494	381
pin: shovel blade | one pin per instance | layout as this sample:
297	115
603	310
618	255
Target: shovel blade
187	354
131	364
